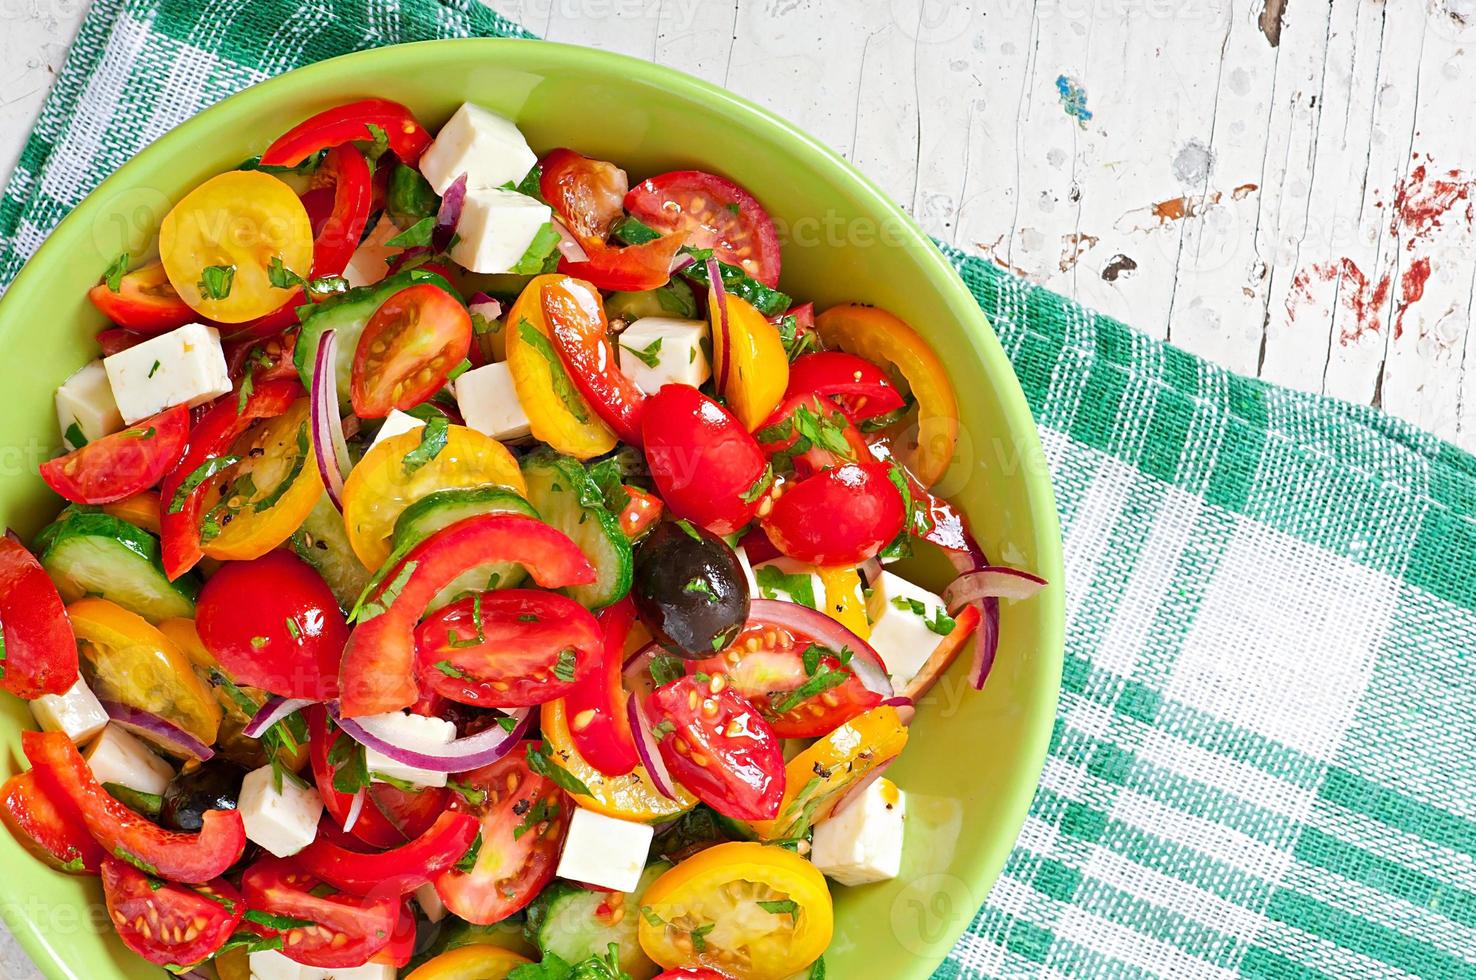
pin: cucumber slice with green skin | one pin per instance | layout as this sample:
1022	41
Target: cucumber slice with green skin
565	920
566	496
323	543
92	553
347	314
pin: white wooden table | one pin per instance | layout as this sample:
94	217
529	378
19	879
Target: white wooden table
1287	191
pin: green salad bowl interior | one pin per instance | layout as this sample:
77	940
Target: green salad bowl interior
974	757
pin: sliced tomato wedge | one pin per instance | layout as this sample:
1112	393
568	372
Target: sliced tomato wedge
165	923
319	927
409	346
576	319
719	746
632	268
933	518
711	212
115	339
401	947
863	390
642	511
182	493
587	194
377	674
123	463
507	649
346	124
40	650
598	723
48	824
145	302
405	868
524	817
263	360
842	516
704	463
188	858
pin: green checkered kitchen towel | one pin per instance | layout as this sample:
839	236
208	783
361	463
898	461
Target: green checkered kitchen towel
1265	760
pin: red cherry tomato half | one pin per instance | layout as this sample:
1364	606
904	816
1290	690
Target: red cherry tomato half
349	123
719	747
401	947
508	649
145	302
264	360
345	929
48	824
843	516
402	870
273	623
599	724
189	858
168	923
115	339
587	194
576	319
711	212
632	268
702	459
122	464
766	664
642	511
408	347
839	442
40	650
524	817
863	389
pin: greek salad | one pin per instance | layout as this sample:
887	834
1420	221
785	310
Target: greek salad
475	565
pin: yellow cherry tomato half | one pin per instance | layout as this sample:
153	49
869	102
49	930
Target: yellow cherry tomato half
716	895
479	962
817	778
218	243
254	506
758	367
844	601
888	341
127	660
629	797
557	412
382	485
141	510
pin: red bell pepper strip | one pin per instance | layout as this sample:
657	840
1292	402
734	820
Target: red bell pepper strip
378	672
346	123
401	870
632	268
145	302
39	649
603	736
48	824
374	825
576	320
182	494
863	389
189	858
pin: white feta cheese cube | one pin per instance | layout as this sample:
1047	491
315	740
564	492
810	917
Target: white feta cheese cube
415	732
182	367
604	851
488	400
395	423
118	757
282	823
789	580
76	713
490	328
369	971
863	843
900	632
86	400
430	902
496	228
477	142
673	349
370	261
268	964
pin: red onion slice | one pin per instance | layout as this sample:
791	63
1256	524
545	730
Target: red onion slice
680	261
991	581
720	324
488	306
986	644
569	246
150	727
865	663
356	807
647	747
274	710
449	214
472	752
329	448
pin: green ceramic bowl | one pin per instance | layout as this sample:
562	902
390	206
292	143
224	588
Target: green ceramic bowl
974	758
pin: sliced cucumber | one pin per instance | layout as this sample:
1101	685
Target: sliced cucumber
91	553
566	496
322	542
565	920
347	314
673	299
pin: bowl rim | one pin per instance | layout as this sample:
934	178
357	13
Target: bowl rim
940	273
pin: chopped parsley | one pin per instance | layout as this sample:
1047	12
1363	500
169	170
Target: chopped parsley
563	386
564	669
197	476
760	486
115	272
469	859
280	923
433	438
823	679
799	586
417	234
450	670
665	668
473	795
74	436
282	277
650	355
786	906
387	596
699	936
350	768
215	281
155	369
540	762
293	628
542	253
542	811
699	586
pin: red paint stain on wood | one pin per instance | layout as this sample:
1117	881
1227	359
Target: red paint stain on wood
1363	298
1421	203
1411	290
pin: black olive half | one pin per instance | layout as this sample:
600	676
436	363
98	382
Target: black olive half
215	785
690	589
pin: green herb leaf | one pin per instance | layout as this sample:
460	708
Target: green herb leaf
633	231
563	386
469	860
760	486
113	277
650	355
433	437
542	253
387	596
350	766
699	586
279	923
540	761
941	623
417	234
797	587
74	436
699	936
666	668
787	906
564	669
215	281
197	476
544	810
824	678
